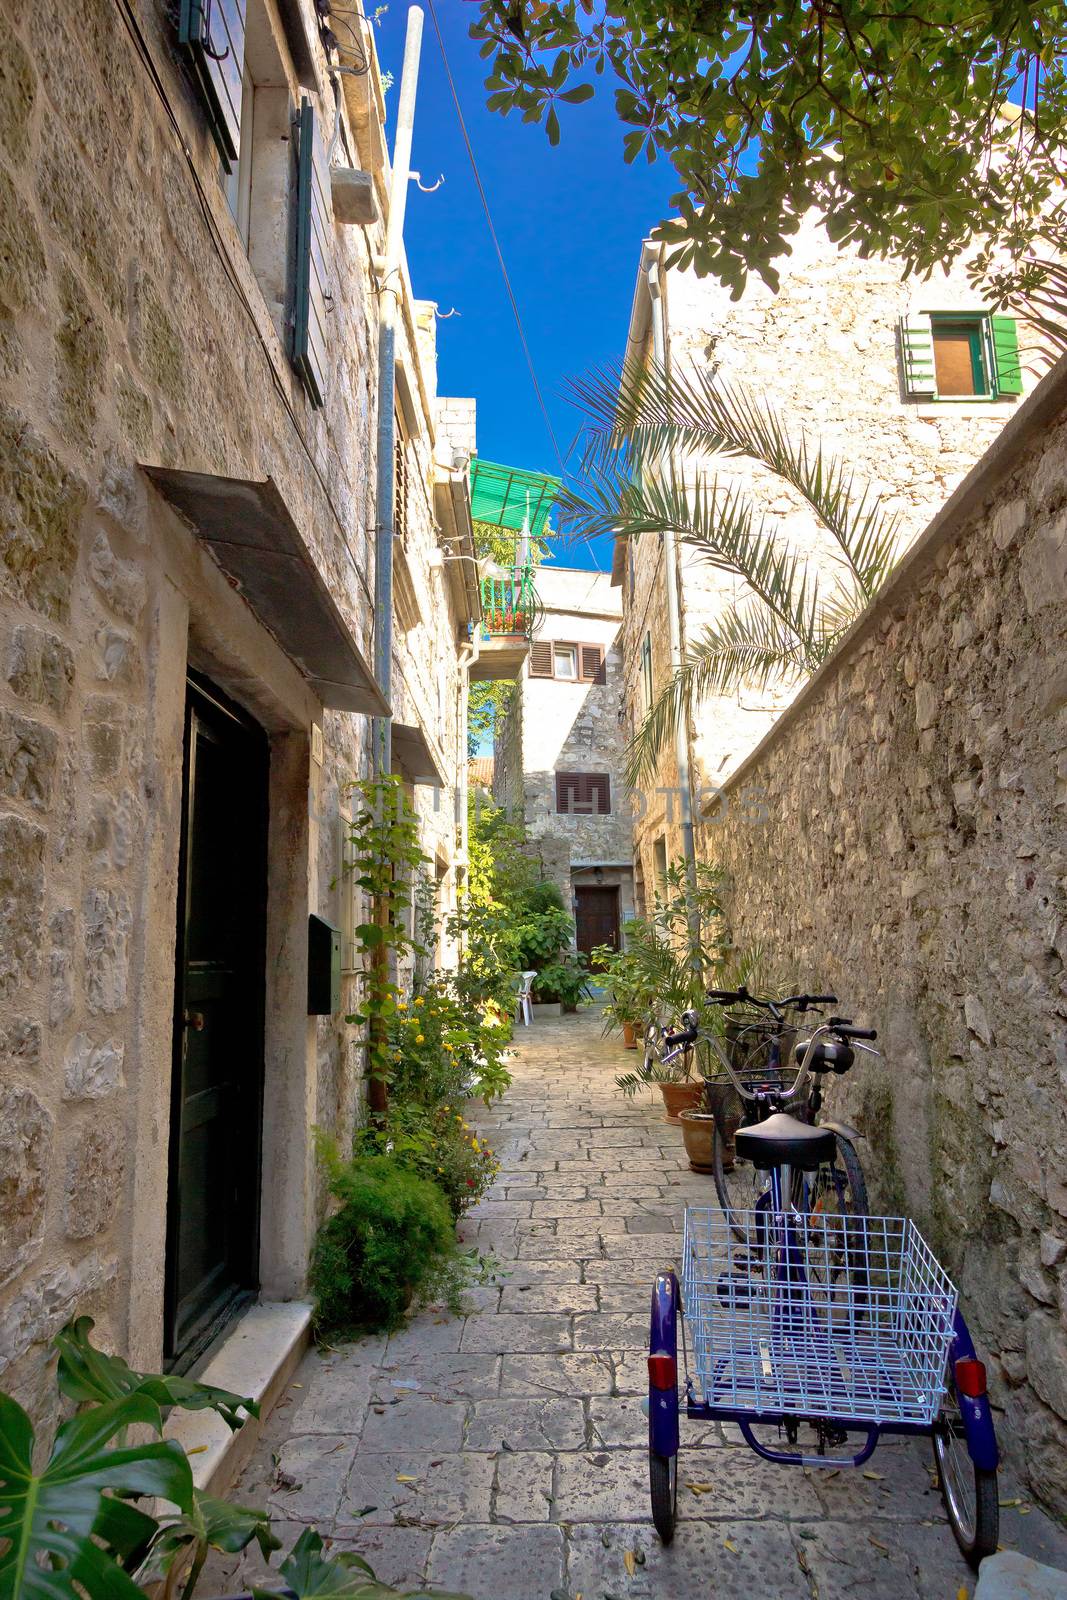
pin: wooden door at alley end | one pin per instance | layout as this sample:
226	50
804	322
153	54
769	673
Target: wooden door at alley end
596	917
217	1093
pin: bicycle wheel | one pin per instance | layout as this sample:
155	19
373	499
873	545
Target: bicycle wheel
969	1492
663	1483
738	1184
837	1257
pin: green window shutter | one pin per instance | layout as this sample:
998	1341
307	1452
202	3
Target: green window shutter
1009	377
312	239
917	355
211	34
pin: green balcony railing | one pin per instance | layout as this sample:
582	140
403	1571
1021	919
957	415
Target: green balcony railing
510	606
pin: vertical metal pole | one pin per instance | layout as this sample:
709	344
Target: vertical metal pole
674	638
388	300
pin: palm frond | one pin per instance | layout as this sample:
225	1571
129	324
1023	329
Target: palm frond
749	646
642	417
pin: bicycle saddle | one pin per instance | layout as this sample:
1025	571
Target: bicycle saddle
782	1141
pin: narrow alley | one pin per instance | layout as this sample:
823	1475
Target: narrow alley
504	1454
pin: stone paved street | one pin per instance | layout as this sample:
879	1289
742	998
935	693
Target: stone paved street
504	1454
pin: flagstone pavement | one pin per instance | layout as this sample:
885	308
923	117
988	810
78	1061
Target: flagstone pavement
503	1454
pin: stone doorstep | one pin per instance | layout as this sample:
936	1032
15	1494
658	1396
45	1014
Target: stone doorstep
257	1356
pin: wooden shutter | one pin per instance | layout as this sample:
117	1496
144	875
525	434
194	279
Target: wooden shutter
591	657
211	34
312	234
583	794
917	354
1008	377
540	659
400	482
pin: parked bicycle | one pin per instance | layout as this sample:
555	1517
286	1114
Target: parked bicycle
748	1076
836	1322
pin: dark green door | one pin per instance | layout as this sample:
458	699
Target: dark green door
213	1199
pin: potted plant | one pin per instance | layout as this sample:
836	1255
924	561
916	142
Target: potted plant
565	980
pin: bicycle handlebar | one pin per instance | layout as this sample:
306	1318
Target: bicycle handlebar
792	1002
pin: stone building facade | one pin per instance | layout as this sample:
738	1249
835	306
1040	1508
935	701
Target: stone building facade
558	759
187	494
900	837
842	353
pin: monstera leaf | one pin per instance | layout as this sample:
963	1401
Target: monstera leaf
87	1374
47	1518
309	1575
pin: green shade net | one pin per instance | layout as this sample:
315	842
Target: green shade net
498	495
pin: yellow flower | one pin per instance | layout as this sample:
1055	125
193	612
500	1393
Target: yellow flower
420	1001
401	1005
420	1038
474	1144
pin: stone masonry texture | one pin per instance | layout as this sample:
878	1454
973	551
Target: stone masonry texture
824	353
908	850
138	327
504	1453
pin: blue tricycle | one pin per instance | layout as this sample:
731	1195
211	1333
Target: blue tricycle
805	1316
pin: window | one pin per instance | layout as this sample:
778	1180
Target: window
239	178
952	355
570	663
583	794
647	685
564	661
312	239
659	864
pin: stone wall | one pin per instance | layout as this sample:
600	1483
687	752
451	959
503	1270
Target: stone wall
901	838
823	351
135	326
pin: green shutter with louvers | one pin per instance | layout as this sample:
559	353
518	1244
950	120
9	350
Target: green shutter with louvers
1006	355
211	33
917	355
312	238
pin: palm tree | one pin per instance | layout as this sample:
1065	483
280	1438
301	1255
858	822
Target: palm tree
644	425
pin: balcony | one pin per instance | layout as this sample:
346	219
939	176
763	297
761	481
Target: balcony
510	508
510	613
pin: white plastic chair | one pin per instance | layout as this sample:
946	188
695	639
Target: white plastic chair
523	1007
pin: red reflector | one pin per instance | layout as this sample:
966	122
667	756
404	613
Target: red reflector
970	1377
662	1371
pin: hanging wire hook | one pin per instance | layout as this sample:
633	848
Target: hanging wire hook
427	188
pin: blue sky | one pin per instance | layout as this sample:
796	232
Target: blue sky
570	221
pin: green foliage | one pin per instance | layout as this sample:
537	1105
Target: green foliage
565	979
47	1518
390	1244
545	896
890	121
488	703
71	1530
385	856
787	618
310	1575
441	1052
437	1143
85	1374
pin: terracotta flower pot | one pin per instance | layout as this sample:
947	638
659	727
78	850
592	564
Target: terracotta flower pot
629	1036
698	1132
678	1097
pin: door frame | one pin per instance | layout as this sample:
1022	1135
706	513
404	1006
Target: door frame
203	695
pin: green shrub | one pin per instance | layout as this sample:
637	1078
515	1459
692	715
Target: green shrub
390	1244
438	1144
441	1052
545	896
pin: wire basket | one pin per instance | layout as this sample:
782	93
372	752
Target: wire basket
858	1325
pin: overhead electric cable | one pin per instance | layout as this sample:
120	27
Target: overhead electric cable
496	242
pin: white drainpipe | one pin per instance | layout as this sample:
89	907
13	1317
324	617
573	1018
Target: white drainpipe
388	299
